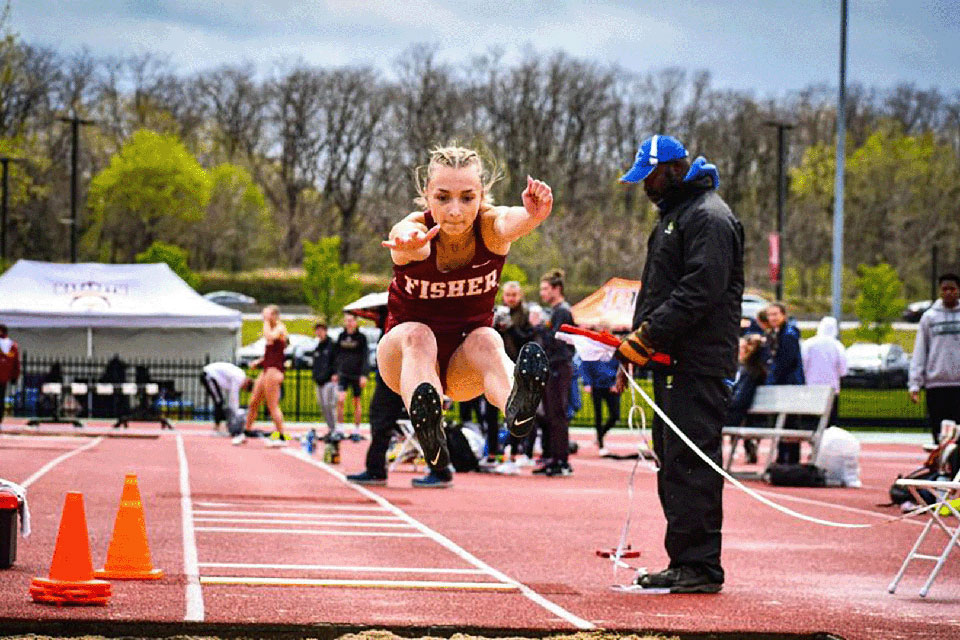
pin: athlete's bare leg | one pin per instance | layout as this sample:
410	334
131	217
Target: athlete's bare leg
256	397
357	412
480	366
407	357
273	378
341	400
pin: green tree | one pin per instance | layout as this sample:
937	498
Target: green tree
153	188
237	232
171	255
878	302
327	284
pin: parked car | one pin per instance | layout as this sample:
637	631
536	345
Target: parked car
879	366
916	309
298	345
751	304
230	299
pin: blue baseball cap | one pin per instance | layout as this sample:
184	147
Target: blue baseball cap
653	151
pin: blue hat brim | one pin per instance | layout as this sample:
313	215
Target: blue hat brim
638	173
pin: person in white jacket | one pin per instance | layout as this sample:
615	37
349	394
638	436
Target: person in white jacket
824	359
935	365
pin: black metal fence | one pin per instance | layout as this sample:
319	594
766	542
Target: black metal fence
181	395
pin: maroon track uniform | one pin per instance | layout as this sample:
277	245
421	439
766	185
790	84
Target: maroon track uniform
273	355
451	303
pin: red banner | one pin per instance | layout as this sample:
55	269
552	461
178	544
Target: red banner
774	240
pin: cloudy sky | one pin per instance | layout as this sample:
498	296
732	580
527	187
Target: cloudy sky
767	46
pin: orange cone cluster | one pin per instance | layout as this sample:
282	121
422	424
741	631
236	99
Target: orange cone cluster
72	580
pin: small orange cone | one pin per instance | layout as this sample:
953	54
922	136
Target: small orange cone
128	557
71	572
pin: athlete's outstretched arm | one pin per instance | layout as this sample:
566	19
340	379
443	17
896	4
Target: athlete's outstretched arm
515	222
409	239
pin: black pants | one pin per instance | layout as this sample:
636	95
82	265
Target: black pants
556	399
691	493
216	394
3	399
600	397
386	407
943	403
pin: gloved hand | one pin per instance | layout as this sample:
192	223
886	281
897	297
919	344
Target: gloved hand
636	348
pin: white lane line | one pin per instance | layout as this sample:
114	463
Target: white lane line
451	546
322	523
194	592
333	567
367	584
50	465
292	514
312	532
315	506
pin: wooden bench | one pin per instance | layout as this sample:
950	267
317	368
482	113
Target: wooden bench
782	401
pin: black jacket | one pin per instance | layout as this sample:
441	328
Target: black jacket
351	355
692	282
323	361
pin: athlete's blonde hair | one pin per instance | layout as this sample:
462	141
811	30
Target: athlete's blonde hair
455	157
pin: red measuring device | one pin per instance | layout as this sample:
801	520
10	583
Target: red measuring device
607	338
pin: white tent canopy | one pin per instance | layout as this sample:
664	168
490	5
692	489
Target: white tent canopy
92	309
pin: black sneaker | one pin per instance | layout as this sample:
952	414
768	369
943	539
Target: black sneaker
680	580
368	479
433	480
426	416
559	469
530	376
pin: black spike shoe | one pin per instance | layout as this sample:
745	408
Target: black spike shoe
530	376
426	416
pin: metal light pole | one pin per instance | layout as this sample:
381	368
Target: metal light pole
782	128
5	162
75	123
837	274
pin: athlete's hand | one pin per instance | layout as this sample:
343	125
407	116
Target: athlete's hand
363	382
411	240
915	397
621	384
537	199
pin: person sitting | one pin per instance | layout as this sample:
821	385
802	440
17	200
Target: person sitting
751	373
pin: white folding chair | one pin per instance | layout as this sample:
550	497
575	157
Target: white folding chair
408	449
942	514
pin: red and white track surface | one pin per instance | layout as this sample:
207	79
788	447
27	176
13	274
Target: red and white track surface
254	535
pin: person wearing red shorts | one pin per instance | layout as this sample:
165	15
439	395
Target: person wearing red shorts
439	336
267	386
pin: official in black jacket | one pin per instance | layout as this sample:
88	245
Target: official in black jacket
688	308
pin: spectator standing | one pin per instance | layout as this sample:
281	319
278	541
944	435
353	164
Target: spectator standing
324	376
785	366
223	382
9	366
600	381
556	396
824	359
689	308
935	365
515	329
386	407
352	367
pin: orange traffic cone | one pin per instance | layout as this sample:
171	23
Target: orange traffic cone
71	572
128	557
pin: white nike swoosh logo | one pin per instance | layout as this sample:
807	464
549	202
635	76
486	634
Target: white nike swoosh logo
520	422
436	458
477	266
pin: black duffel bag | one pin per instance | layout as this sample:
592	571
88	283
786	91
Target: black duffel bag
795	475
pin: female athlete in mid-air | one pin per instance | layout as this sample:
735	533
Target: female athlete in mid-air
439	337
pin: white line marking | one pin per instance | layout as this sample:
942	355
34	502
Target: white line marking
194	592
292	514
312	532
840	507
277	503
333	567
50	465
324	523
451	546
375	584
